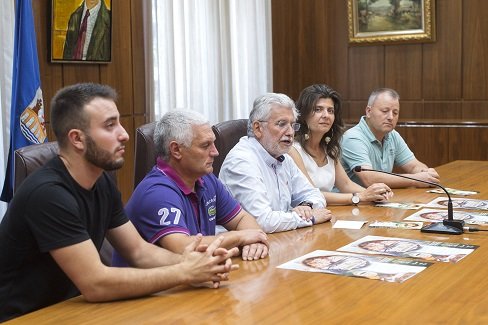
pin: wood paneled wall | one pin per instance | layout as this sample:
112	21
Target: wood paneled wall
447	79
125	73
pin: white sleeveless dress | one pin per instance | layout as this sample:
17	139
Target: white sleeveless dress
323	177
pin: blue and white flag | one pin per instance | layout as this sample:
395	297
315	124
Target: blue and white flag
27	109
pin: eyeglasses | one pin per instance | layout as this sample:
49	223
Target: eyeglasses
284	124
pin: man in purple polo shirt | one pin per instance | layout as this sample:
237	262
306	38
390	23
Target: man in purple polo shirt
181	197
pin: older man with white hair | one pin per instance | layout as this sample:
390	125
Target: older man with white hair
263	178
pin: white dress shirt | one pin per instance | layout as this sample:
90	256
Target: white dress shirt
267	188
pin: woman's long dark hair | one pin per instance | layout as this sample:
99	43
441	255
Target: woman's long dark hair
305	104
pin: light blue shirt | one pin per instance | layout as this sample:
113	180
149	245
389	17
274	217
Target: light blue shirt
267	188
360	147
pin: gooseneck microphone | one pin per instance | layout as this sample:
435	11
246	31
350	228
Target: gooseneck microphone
447	226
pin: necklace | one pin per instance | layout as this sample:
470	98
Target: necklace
319	156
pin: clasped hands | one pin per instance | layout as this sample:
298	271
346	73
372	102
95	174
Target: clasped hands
307	213
377	192
211	262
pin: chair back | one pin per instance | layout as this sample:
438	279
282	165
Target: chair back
30	158
145	155
227	134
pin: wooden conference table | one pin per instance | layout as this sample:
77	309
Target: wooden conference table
259	293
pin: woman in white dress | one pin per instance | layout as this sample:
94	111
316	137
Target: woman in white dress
317	149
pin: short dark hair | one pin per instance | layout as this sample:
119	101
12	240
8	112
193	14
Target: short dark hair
67	107
305	104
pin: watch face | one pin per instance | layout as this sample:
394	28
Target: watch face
355	198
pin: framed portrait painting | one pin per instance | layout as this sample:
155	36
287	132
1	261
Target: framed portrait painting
391	21
81	31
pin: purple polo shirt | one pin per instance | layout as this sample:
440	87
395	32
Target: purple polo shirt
162	204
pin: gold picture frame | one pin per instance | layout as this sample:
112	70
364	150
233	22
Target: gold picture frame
68	41
390	21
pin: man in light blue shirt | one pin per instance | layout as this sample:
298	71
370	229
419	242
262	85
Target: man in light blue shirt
374	144
263	178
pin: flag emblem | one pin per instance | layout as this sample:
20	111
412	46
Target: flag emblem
32	121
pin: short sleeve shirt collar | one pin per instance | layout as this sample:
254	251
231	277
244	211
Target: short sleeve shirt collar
367	131
169	171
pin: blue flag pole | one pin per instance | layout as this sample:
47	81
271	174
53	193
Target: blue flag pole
27	108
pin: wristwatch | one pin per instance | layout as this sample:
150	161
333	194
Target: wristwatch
306	203
355	198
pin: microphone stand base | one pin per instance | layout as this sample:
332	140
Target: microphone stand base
442	228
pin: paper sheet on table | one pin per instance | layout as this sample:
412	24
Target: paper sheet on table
458	203
438	215
389	269
399	205
348	224
453	191
412	248
396	224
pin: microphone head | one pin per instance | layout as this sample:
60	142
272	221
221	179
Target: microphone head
357	169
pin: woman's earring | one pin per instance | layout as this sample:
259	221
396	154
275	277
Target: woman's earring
306	136
327	139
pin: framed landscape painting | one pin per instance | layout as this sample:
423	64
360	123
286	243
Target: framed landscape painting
391	21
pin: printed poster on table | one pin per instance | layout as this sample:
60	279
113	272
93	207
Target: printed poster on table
371	267
433	215
397	224
399	205
453	191
411	248
458	203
